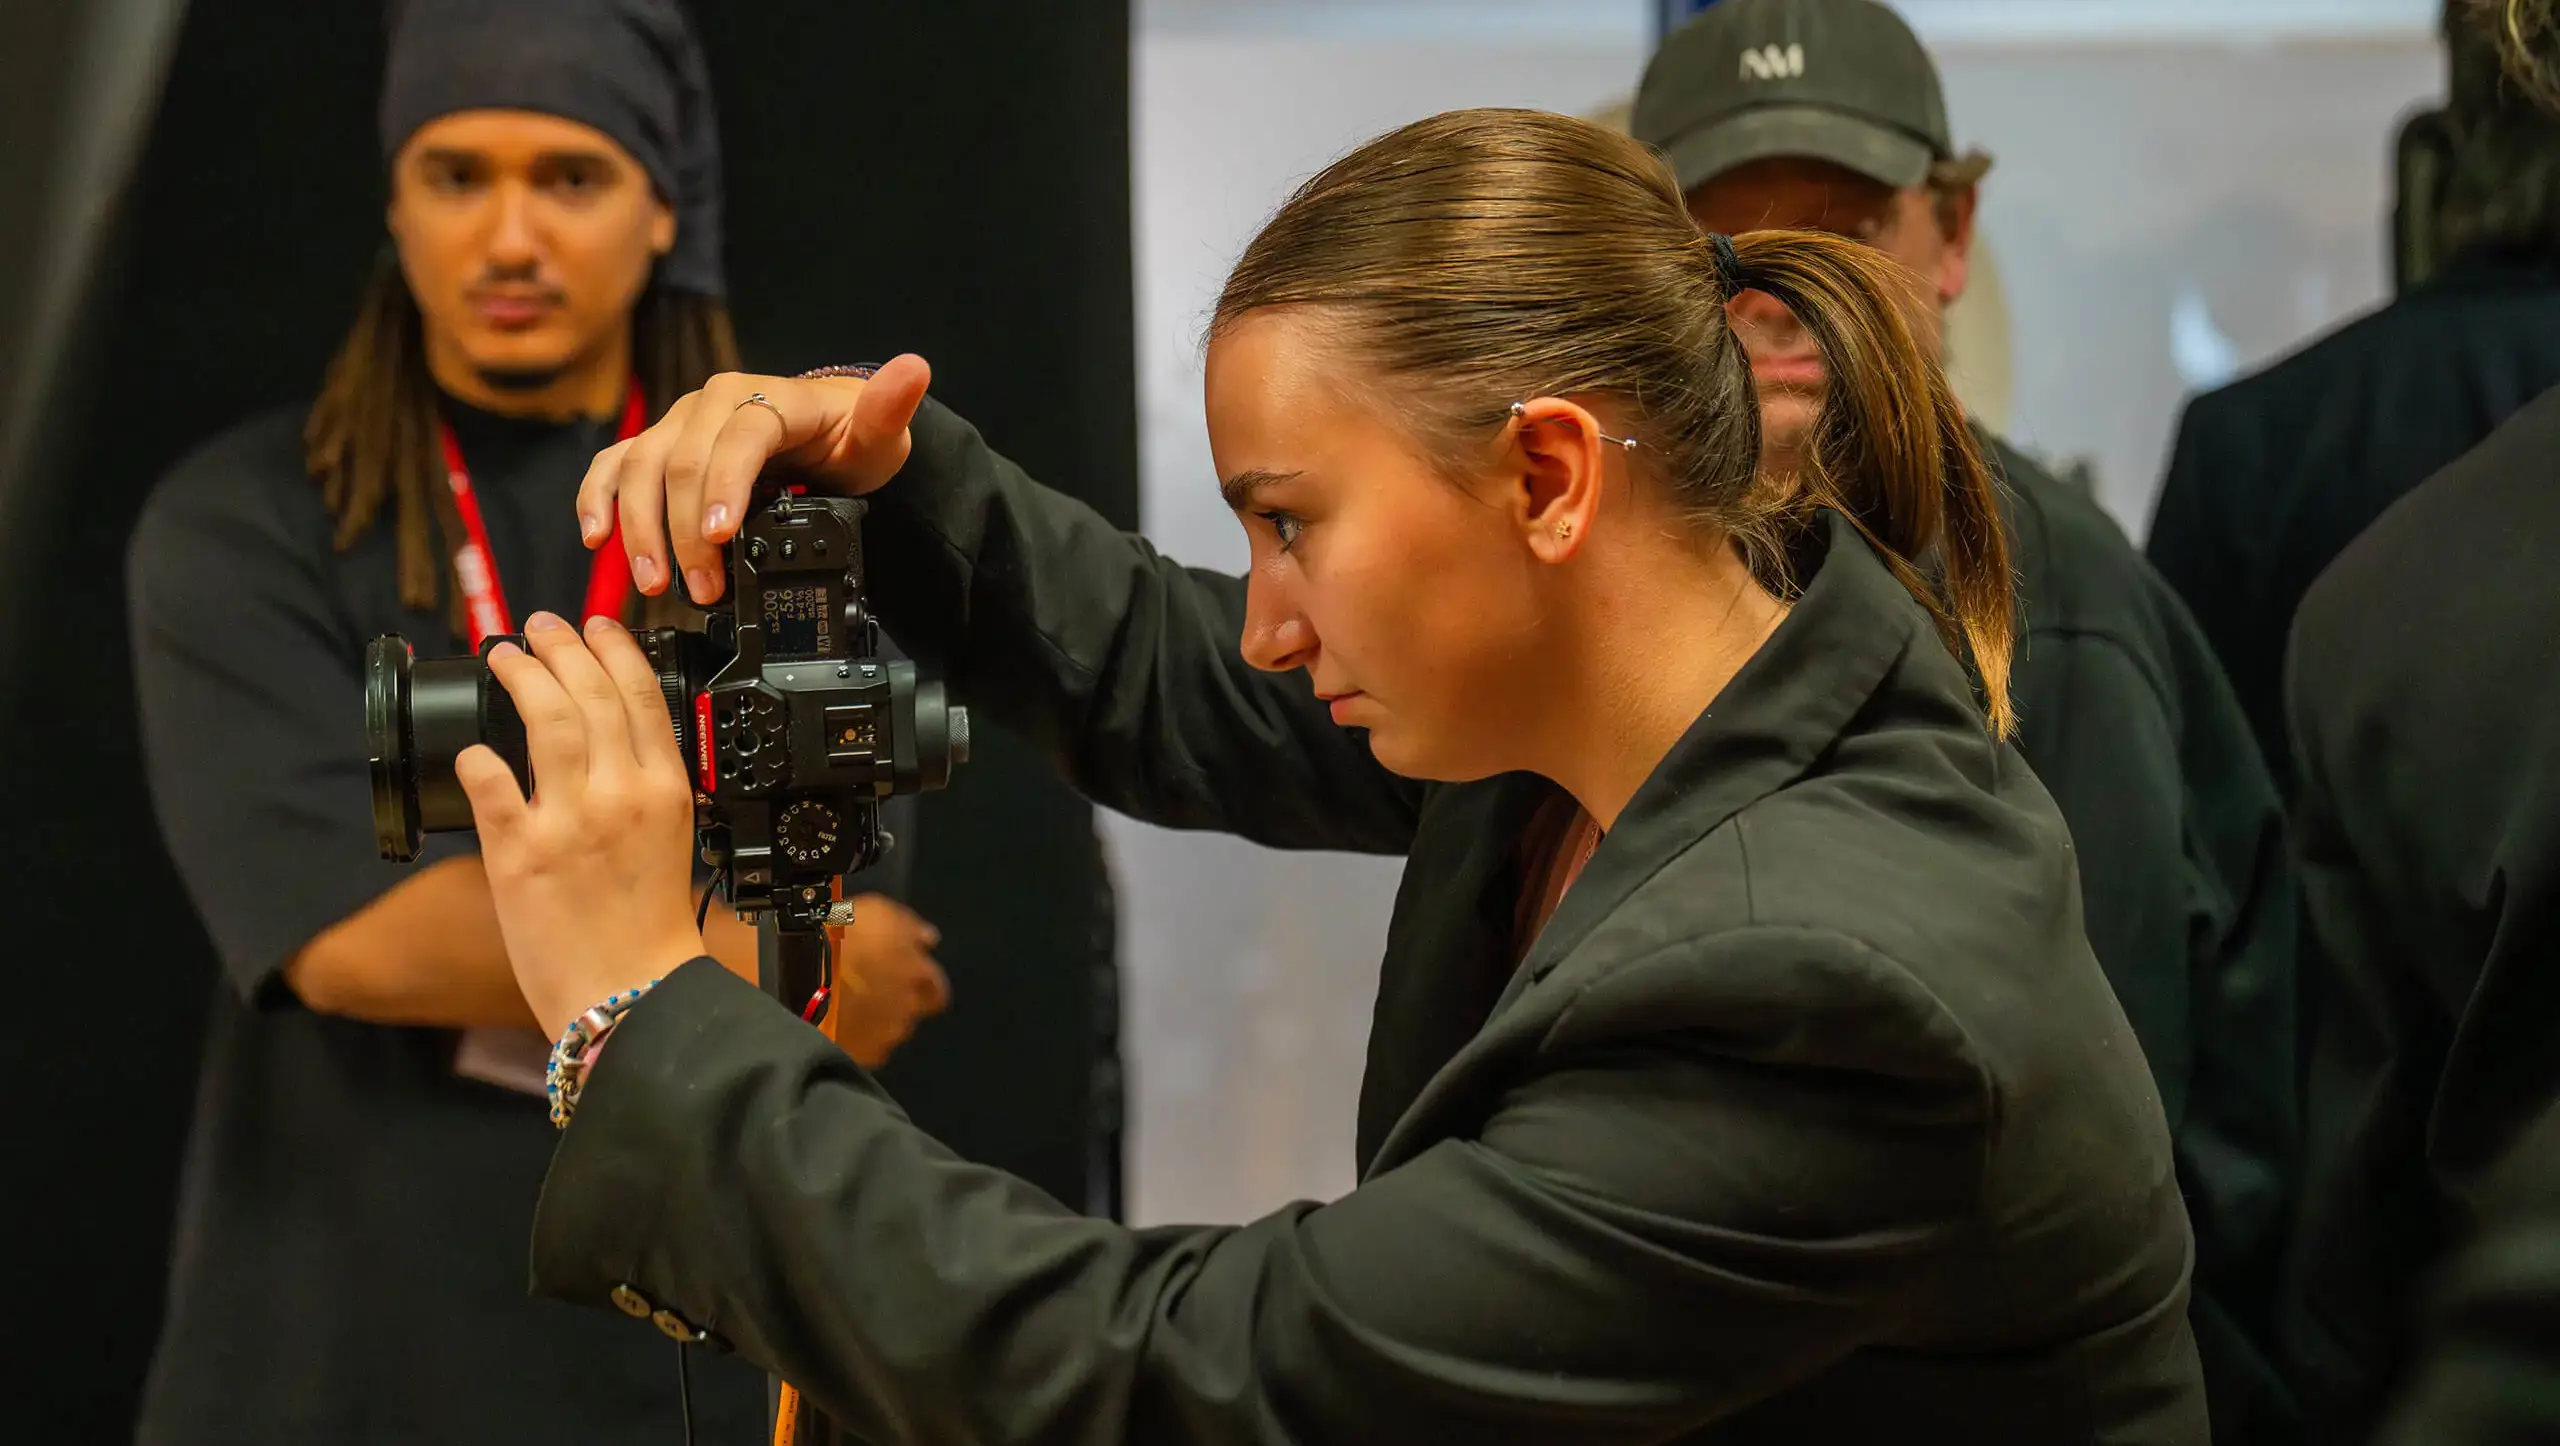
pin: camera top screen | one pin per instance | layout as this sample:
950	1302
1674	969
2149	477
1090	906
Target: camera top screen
799	620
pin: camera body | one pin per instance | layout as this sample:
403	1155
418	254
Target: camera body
805	728
793	724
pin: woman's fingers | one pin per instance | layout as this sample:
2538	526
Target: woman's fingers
596	499
644	707
497	803
610	753
875	441
794	423
555	732
639	485
714	416
683	487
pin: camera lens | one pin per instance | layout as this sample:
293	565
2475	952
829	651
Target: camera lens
386	734
419	714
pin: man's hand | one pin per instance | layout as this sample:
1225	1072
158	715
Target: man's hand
591	876
886	979
688	477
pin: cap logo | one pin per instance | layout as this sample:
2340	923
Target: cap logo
1772	62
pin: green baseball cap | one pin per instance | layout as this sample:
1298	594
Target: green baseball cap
1843	81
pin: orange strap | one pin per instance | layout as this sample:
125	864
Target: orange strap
786	1418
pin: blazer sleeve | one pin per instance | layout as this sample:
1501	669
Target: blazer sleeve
1122	667
1645	1236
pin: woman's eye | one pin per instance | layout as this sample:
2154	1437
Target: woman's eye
1286	527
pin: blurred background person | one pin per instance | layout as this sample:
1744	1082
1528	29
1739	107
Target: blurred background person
2272	475
1828	114
554	279
2423	695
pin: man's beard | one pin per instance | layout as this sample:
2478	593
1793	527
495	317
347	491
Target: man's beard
520	379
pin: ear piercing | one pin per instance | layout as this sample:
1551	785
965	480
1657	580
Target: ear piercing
1520	413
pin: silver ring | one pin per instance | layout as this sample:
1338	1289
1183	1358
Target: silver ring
759	399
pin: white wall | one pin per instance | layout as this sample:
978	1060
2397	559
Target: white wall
2232	154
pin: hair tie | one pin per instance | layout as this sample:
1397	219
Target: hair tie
1729	275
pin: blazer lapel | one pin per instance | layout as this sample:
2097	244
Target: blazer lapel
1450	946
1777	718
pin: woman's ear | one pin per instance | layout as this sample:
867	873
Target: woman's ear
1560	453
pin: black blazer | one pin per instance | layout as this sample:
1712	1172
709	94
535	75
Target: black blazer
2424	689
1808	1118
2272	475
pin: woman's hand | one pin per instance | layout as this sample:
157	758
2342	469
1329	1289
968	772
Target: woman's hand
886	980
592	876
687	478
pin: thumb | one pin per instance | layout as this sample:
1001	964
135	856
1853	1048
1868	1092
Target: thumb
876	444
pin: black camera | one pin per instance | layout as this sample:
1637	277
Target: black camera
793	723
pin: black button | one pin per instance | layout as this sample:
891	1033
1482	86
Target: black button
631	1302
674	1326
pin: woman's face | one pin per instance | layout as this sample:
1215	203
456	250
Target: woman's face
1411	601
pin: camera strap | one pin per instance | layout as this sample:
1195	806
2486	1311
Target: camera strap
475	565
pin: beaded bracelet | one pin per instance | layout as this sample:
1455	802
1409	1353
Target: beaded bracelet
566	1079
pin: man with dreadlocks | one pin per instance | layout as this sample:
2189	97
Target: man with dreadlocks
350	1260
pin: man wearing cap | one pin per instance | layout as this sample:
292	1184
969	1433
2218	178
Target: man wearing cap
1827	114
370	1135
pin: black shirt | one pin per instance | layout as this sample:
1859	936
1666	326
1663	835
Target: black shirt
2274	473
2424	690
350	1258
2190	898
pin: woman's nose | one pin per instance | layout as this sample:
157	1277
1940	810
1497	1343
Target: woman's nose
1276	639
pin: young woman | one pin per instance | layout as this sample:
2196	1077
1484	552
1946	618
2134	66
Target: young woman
1740	1070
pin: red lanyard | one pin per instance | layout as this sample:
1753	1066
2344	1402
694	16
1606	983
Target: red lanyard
484	603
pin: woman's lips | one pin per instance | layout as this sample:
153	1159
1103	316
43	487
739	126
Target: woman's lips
1339	705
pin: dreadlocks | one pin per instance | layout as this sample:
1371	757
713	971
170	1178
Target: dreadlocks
372	441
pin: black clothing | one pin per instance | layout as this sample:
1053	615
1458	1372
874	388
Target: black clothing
2424	690
1808	1117
2494	1349
2190	896
349	1259
628	68
2274	473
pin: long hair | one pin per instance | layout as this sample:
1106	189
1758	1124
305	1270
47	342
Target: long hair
2528	38
2502	181
1482	256
372	440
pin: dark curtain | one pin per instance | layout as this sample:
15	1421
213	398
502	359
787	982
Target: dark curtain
950	179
